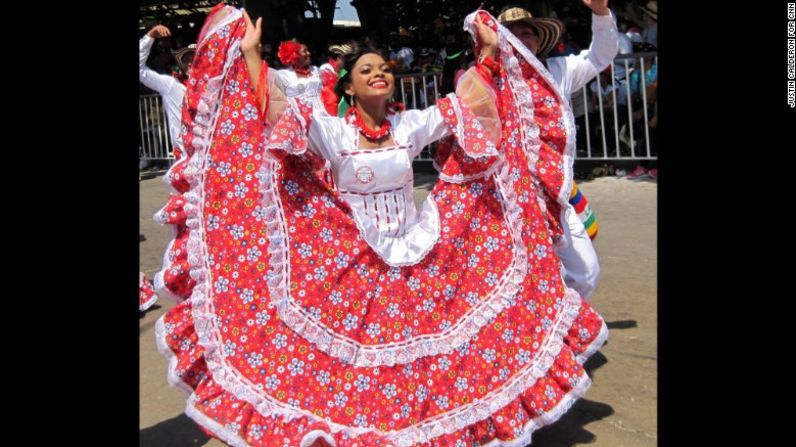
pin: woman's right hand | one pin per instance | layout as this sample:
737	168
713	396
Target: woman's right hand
158	31
251	40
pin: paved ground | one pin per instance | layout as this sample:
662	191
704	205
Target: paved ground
620	410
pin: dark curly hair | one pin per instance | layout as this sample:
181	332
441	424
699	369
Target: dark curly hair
349	60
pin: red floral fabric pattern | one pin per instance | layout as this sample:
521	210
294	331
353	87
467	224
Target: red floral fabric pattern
257	219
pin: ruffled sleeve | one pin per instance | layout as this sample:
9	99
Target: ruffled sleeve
470	116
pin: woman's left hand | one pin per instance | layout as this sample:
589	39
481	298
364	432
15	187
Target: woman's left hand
486	36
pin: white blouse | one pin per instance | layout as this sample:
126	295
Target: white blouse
378	183
305	88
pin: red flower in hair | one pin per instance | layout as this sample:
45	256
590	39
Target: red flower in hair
288	52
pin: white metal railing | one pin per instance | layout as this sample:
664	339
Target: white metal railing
620	129
155	143
418	91
616	131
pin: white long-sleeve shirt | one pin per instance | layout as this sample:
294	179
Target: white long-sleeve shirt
572	72
171	90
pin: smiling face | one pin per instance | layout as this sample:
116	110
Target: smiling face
371	78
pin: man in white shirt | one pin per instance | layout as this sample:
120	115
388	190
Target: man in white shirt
570	73
171	90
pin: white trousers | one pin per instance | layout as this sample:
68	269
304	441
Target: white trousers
580	266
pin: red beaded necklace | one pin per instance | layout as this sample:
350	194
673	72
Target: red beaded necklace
303	71
353	117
